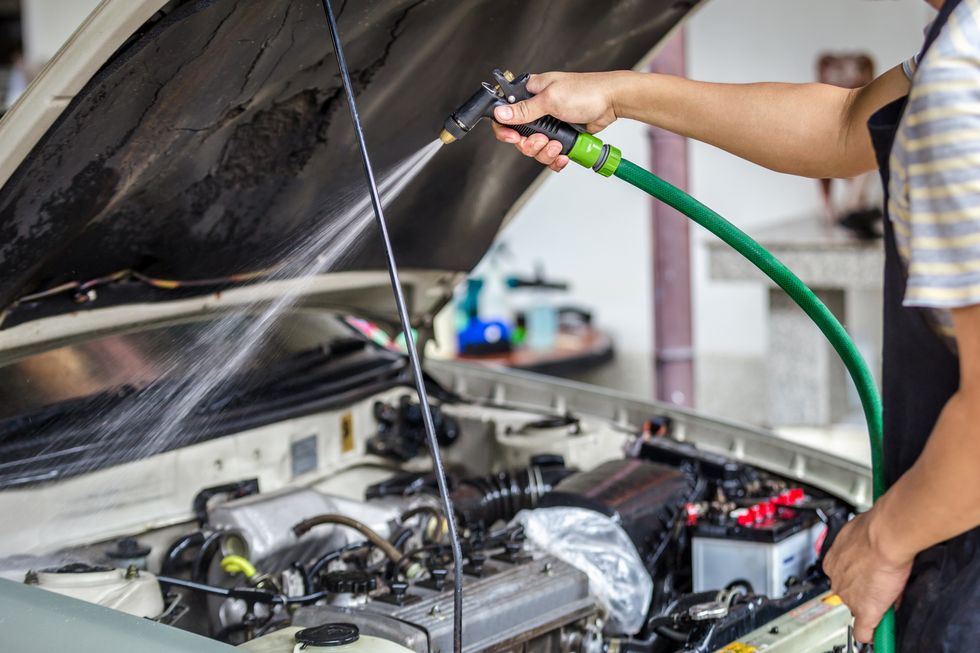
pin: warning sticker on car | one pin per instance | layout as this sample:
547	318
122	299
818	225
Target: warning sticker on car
738	647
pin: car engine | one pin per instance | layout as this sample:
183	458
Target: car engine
657	547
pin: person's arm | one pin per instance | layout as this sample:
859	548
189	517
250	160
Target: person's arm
812	130
936	500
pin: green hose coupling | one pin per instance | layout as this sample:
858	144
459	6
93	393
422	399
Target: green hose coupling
591	152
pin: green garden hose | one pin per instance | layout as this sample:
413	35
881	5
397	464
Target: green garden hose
783	277
589	151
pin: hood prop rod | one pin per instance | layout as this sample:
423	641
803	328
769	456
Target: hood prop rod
403	316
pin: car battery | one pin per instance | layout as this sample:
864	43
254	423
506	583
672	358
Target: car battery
765	544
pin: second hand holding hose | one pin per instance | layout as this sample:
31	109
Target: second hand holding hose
589	151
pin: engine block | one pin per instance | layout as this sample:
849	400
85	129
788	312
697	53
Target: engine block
511	602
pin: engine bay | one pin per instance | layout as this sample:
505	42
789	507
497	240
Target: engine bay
152	467
578	534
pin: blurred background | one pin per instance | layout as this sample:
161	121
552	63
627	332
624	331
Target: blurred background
721	341
593	282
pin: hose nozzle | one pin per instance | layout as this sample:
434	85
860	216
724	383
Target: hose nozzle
480	105
580	146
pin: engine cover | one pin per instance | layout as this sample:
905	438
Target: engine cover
541	600
643	497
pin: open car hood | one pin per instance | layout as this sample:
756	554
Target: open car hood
173	150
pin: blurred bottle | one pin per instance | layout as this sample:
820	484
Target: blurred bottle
494	303
541	311
542	321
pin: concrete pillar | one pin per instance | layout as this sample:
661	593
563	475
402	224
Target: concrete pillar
808	385
672	314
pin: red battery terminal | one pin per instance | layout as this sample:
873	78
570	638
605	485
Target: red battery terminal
693	512
744	517
766	511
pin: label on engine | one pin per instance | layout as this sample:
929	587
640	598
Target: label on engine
346	433
303	455
814	610
738	647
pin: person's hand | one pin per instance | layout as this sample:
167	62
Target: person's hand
867	579
581	98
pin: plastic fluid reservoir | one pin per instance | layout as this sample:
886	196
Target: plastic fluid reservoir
328	638
130	590
493	304
542	322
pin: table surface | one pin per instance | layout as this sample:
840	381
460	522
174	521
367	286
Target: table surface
811	231
822	255
575	350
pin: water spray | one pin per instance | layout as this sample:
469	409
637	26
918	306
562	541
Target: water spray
589	151
403	316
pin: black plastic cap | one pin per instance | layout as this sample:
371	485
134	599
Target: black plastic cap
548	460
349	582
76	568
335	634
399	588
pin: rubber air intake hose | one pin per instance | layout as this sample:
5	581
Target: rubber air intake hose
811	305
481	501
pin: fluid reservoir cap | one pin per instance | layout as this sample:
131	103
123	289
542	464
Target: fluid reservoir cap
349	581
335	634
76	568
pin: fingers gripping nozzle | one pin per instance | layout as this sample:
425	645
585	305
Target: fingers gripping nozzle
505	89
581	147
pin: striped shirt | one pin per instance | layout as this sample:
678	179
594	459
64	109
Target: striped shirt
934	191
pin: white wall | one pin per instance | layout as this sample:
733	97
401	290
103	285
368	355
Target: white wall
767	40
595	233
47	24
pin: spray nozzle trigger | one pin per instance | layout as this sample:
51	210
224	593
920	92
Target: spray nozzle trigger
512	88
507	88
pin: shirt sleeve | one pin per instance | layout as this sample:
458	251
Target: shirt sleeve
941	141
910	65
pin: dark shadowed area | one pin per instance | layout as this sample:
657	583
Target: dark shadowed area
218	135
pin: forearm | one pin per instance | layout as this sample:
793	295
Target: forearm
812	130
939	497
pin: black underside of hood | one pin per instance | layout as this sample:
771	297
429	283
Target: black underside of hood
219	134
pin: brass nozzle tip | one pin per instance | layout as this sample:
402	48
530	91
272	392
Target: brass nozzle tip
446	137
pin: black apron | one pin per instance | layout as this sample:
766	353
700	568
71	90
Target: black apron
940	608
